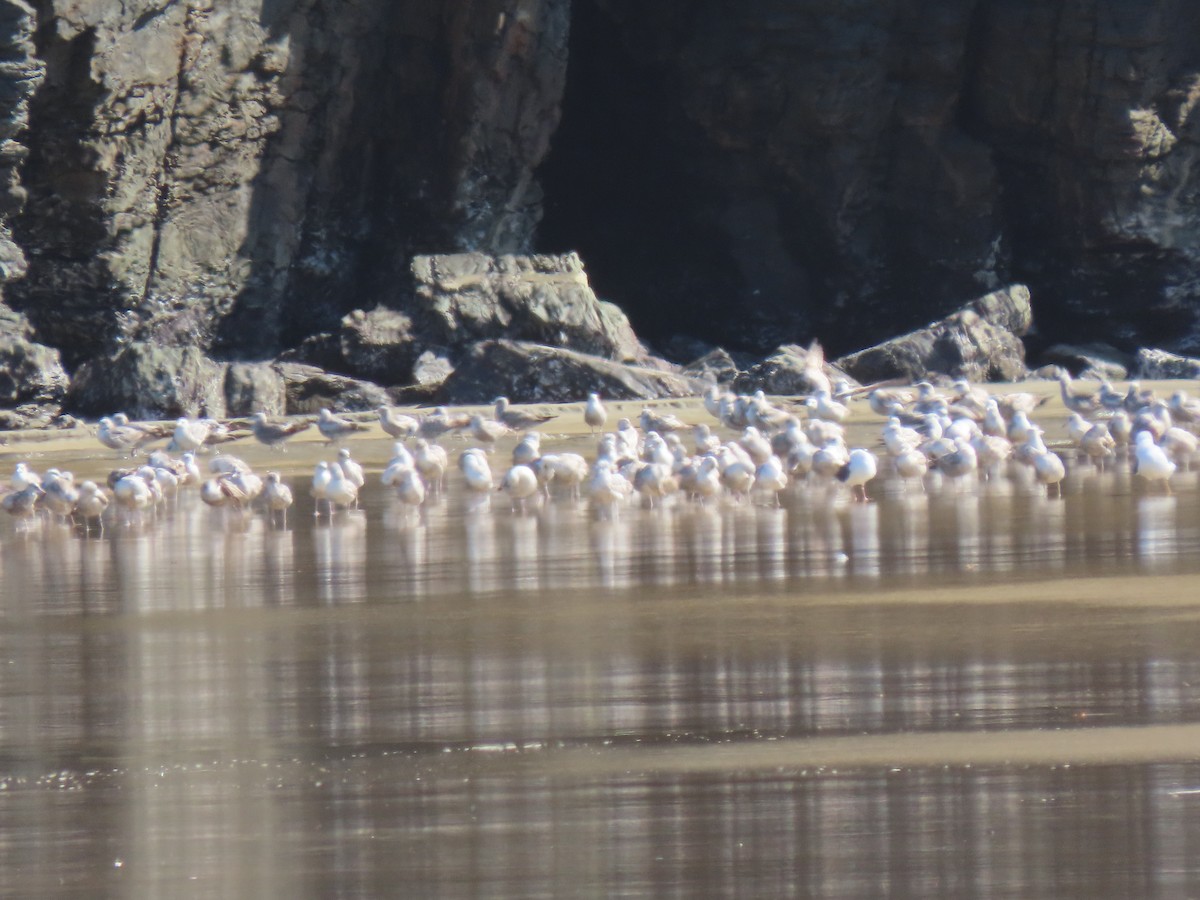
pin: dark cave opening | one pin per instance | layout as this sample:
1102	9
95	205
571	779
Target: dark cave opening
624	186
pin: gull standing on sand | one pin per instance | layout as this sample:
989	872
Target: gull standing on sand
594	413
278	496
517	419
126	439
439	422
861	466
335	428
520	483
487	431
274	434
1151	462
91	505
320	487
397	425
663	423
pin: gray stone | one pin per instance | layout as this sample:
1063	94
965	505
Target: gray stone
379	346
533	373
310	388
254	387
466	297
147	381
979	342
716	366
786	372
1099	359
431	369
1153	363
29	372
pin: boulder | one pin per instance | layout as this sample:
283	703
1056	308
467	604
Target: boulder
533	373
787	371
466	297
980	342
716	366
1161	364
147	381
431	369
29	372
254	387
379	345
1096	360
310	388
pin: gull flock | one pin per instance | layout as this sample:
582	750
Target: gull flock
755	450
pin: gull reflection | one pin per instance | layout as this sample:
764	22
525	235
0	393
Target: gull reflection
523	553
1156	533
611	540
772	543
906	530
279	567
481	553
702	533
863	527
340	552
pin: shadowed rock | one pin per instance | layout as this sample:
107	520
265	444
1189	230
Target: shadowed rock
1094	360
789	371
150	382
1161	364
980	342
532	373
466	297
310	389
254	387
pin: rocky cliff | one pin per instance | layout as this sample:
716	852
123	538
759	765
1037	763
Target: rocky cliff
238	176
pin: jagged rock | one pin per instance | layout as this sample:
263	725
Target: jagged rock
1096	360
431	369
147	381
716	366
254	387
534	373
379	345
29	372
786	371
979	342
310	388
323	350
467	297
1161	364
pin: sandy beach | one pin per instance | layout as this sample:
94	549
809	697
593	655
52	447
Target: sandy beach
78	448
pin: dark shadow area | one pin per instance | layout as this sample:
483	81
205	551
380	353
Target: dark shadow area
624	187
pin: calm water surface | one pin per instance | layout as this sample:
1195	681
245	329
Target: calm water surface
947	695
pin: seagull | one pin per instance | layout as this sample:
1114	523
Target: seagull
520	483
125	438
397	425
340	491
279	496
487	431
320	487
663	423
861	466
334	428
352	470
274	434
1050	471
434	424
476	472
594	413
519	420
1076	403
91	504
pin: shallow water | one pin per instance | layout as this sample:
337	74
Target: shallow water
985	694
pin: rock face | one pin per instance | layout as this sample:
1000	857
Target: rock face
790	370
980	342
466	297
236	178
532	373
147	381
1161	364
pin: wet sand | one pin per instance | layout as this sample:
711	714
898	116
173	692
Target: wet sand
935	695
